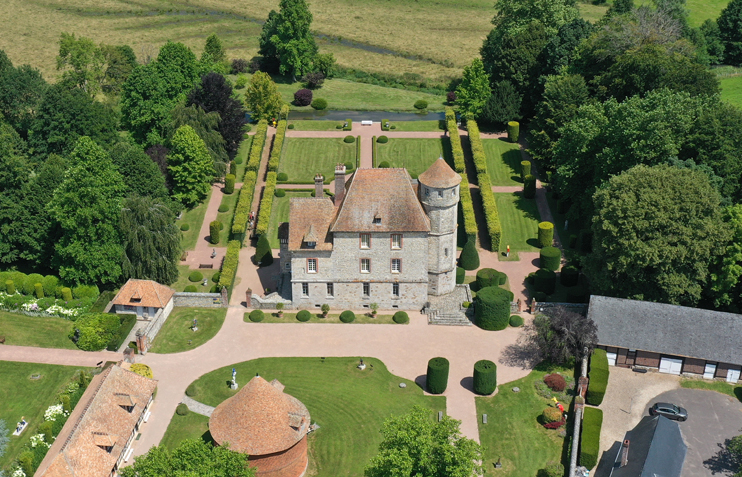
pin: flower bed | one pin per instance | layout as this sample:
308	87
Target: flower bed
28	305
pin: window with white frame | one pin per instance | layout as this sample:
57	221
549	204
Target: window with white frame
396	265
305	289
330	290
396	241
367	289
311	265
365	240
395	289
365	265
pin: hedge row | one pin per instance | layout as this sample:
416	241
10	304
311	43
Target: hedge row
453	132
492	216
598	378
373	152
264	215
590	438
467	209
244	205
477	148
284	114
358	152
256	148
229	265
277	145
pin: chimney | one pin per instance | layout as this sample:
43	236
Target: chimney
319	188
625	453
339	184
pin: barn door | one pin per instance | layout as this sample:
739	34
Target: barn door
733	375
671	365
709	371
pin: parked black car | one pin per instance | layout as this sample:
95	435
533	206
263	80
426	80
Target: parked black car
670	411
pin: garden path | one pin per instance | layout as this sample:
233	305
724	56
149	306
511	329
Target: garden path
202	252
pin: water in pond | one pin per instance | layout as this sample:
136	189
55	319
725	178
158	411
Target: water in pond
365	115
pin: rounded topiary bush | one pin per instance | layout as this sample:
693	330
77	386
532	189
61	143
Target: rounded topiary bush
229	181
540	296
256	316
303	97
191	390
421	104
488	277
513	131
516	321
492	310
182	409
460	275
185	227
569	276
525	169
545	234
216	276
291	126
349	166
550	258
577	294
401	317
551	414
544	281
485	377
29	283
282	177
319	104
190	289
303	315
384	165
437	375
347	316
555	382
196	276
382	139
469	258
529	187
349	139
223	208
279	193
214	228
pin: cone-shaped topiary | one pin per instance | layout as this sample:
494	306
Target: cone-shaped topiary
460	275
263	252
214	228
347	316
513	131
550	258
469	259
545	234
544	281
229	184
529	187
303	315
485	377
492	309
437	376
525	169
401	317
257	316
569	276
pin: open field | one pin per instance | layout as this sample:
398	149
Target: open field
513	433
40	331
348	404
176	334
416	155
190	426
503	162
731	90
193	218
290	318
22	396
280	213
302	158
519	218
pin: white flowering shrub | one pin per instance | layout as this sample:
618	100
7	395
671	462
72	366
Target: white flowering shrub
38	440
44	306
53	412
18	473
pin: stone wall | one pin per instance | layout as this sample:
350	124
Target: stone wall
199	300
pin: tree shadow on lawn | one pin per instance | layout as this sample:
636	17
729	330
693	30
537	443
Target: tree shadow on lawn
527	207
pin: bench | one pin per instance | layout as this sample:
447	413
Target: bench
367	123
205	265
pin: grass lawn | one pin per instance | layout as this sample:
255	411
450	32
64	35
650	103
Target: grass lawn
280	213
183	281
230	200
331	318
242	153
184	427
513	433
23	397
416	155
519	218
349	405
39	331
709	385
194	218
302	158
731	90
176	334
423	126
315	125
503	162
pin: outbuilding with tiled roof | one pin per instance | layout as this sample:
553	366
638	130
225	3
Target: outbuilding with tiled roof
146	298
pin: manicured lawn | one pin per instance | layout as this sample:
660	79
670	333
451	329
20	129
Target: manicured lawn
230	200
302	158
194	218
348	404
39	331
718	386
364	318
424	126
416	155
315	125
176	334
22	396
280	213
183	281
731	90
184	427
242	153
513	433
519	218
503	162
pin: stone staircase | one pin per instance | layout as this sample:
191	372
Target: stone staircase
447	310
448	319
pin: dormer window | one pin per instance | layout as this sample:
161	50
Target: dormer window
377	220
311	244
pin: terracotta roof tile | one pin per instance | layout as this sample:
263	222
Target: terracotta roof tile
143	293
439	175
310	214
260	419
386	194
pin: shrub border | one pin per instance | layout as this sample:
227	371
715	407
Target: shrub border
491	214
229	265
244	204
266	203
278	141
592	421
256	148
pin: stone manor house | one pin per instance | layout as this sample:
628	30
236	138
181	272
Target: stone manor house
384	238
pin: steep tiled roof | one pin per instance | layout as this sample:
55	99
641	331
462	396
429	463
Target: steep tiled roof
98	423
439	175
386	194
260	419
310	217
143	293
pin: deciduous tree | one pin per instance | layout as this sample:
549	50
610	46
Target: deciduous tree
206	126
287	37
214	94
214	50
141	175
562	335
190	166
262	98
503	104
81	62
120	62
474	90
21	91
730	30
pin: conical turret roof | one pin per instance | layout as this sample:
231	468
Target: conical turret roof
440	176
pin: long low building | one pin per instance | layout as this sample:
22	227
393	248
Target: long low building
673	339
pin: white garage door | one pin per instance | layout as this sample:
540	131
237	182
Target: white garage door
671	365
733	375
611	358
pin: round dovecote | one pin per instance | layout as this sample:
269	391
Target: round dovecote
439	185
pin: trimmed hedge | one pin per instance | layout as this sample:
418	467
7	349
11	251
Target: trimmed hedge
590	437
195	276
488	277
513	131
256	316
544	281
349	139
421	104
453	132
485	377
214	228
263	252
244	204
477	148
491	214
190	289
229	184
545	234
277	145
348	125
401	317
347	316
256	148
569	276
229	265
467	209
127	320
516	321
266	203
469	258
182	409
529	187
282	177
279	193
303	316
598	376
185	227
550	258
492	309
319	104
460	275
358	153
382	139
284	113
437	375
525	169
577	294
